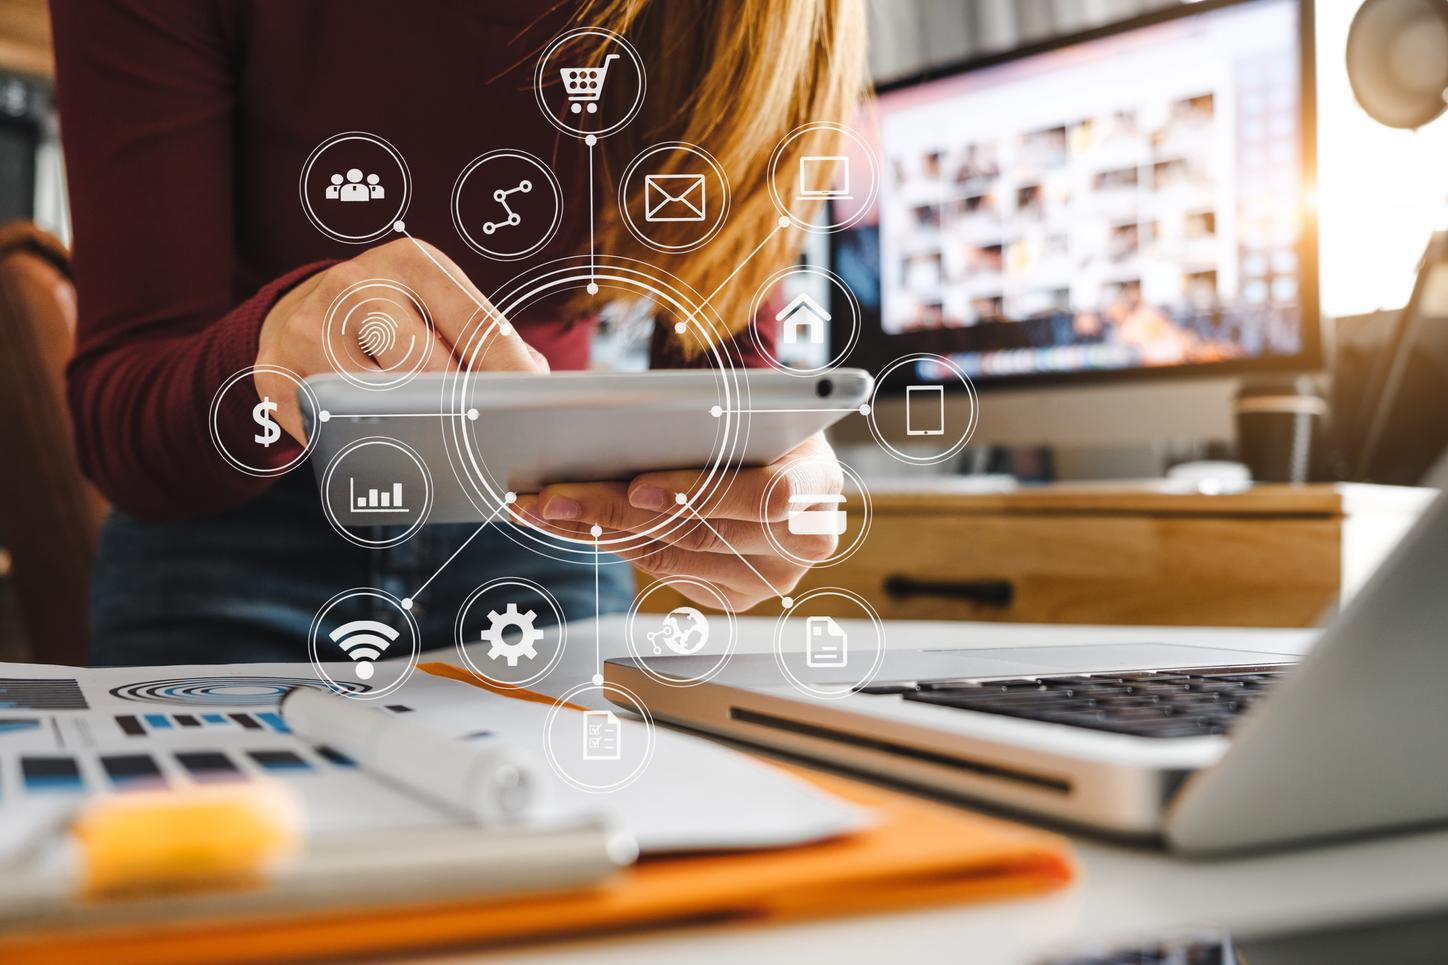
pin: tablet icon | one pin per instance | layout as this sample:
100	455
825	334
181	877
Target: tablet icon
602	736
925	410
826	645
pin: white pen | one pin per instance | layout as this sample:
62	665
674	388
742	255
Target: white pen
487	782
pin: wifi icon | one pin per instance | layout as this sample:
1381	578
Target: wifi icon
364	641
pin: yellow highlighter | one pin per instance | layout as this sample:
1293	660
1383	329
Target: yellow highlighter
164	840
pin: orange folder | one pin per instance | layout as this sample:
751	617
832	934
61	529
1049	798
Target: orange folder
918	853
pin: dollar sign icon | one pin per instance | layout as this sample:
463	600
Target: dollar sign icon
261	415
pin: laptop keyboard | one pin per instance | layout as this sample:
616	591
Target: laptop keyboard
1149	703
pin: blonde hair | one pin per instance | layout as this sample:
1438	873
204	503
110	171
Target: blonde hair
733	77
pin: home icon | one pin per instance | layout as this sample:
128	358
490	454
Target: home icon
803	319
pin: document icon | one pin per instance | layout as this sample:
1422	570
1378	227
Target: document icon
925	410
825	643
602	736
673	197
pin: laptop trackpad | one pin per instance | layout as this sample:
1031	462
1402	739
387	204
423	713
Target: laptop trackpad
1082	658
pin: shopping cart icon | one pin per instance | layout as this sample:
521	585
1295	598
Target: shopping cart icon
585	85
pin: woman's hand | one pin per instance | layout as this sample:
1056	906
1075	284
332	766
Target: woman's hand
733	523
294	334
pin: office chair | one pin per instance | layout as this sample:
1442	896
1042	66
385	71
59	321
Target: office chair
49	515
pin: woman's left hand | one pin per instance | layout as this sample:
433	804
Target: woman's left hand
729	525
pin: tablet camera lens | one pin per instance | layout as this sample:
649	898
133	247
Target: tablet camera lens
824	388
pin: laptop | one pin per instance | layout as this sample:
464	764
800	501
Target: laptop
1209	749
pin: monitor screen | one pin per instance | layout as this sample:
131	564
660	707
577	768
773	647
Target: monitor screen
1129	202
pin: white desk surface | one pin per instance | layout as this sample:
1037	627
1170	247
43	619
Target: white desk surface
1123	891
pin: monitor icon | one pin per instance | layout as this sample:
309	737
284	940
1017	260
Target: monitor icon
830	171
925	410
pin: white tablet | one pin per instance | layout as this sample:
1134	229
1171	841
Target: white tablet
452	446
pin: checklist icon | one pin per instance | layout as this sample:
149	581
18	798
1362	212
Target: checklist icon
602	736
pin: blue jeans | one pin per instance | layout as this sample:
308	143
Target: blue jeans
244	585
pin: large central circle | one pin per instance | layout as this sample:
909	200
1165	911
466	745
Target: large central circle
676	304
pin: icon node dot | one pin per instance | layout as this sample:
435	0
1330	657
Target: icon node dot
595	531
864	408
591	140
715	411
680	327
784	221
472	415
593	288
510	497
598	680
399	226
324	416
504	328
681	498
788	601
407	603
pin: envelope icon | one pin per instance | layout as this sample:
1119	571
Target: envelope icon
673	197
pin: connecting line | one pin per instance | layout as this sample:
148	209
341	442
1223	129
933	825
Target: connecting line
407	603
717	411
592	268
730	277
742	558
398	415
740	267
597	638
451	277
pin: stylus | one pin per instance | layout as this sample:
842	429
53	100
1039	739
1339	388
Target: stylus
486	781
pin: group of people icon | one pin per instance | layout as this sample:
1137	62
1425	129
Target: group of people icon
353	189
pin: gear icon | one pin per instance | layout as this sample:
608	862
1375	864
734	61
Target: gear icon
523	646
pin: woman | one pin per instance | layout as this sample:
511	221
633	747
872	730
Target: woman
185	124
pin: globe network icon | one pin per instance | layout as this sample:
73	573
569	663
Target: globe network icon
685	631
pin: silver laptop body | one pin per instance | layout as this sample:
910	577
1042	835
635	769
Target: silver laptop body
1352	740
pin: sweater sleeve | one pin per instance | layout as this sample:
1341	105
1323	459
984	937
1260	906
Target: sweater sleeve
145	90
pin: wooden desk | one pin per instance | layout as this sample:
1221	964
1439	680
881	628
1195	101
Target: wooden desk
1149	553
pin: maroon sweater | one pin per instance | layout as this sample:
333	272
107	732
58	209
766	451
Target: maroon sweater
186	124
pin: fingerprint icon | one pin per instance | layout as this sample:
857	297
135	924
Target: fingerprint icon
377	334
373	338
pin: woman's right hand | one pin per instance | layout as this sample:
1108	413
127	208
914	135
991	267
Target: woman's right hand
294	332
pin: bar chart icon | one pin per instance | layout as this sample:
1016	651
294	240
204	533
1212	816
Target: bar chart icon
375	501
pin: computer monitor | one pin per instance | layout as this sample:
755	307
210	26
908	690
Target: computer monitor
1127	202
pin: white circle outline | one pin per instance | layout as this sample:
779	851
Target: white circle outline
352	378
843	594
559	274
632	168
388	598
305	392
321	225
729	646
610	36
839	556
762	293
417	523
971	422
561	704
865	149
457	194
548	598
